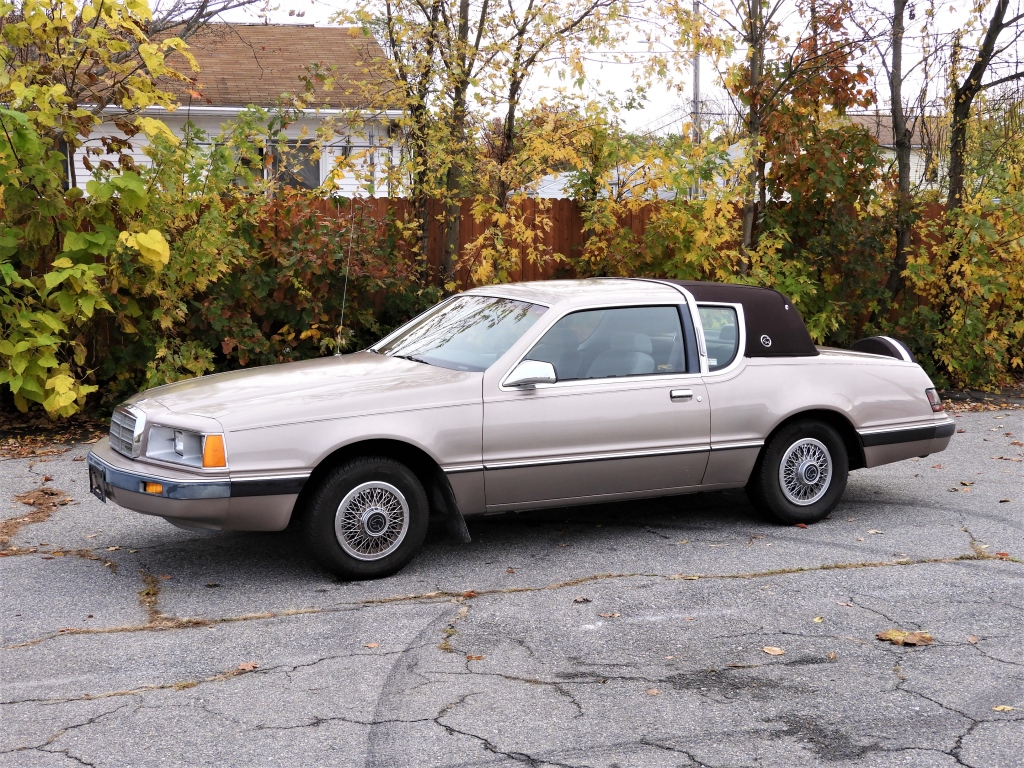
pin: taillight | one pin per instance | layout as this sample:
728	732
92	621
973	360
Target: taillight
934	400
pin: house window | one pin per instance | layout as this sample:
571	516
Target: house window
297	164
69	171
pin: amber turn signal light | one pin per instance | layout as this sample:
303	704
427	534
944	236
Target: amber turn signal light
213	451
156	488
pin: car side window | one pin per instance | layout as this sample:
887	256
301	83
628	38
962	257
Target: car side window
603	343
721	335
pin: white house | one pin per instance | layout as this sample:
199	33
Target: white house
244	65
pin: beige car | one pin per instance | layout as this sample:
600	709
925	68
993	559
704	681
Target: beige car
517	397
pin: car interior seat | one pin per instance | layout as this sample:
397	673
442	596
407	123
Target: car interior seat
560	347
628	354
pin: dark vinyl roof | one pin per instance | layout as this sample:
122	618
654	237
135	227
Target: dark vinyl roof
243	64
773	325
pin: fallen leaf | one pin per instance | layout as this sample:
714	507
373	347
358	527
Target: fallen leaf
801	525
670	657
469	593
248	666
612	616
874	531
47	478
90	536
966	482
818	619
1002	554
79	458
954	490
860	538
973	639
684	541
565	545
510	570
845	605
112	549
653	691
903	637
474	658
371	645
771	650
831	656
1004	501
581	599
936	466
165	576
1002	708
212	585
1016	442
1007	434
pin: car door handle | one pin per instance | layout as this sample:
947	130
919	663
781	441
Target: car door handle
681	394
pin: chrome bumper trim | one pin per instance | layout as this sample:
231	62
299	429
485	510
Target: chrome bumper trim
890	436
200	488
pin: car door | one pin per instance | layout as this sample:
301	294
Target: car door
628	414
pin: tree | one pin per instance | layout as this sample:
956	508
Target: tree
994	42
788	47
457	63
54	245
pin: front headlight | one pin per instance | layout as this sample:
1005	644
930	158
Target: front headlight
180	446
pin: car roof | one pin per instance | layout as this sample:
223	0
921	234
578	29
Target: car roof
573	292
773	325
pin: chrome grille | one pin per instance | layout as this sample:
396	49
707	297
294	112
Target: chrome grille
122	432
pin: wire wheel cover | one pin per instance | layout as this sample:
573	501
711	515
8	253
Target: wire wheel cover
805	471
372	520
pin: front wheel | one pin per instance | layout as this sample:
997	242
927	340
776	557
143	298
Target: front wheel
367	519
802	473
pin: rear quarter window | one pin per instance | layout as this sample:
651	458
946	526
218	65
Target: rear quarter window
721	335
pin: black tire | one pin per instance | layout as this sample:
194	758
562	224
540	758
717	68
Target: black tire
385	537
806	446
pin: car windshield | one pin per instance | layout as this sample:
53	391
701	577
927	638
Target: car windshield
467	333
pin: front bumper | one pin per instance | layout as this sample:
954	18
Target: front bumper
216	503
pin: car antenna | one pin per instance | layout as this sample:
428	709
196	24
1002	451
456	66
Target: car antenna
348	262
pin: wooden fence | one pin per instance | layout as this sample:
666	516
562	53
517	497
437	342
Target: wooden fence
566	235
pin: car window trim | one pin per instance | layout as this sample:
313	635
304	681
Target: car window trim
640	377
741	330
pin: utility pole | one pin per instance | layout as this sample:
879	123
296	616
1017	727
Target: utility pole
696	82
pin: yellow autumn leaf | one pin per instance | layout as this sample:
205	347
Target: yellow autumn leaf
151	247
153	127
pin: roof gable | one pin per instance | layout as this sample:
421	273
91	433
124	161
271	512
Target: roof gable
243	64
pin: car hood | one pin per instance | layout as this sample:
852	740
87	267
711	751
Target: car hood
323	388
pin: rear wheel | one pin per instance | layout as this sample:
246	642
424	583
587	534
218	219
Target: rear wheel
802	473
367	519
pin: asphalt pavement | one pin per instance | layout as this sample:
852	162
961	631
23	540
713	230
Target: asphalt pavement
679	632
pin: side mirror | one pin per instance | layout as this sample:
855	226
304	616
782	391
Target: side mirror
530	372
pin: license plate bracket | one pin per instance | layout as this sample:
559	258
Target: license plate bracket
98	483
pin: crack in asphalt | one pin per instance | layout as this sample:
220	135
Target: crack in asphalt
516	756
165	622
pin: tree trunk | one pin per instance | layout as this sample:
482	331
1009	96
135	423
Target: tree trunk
453	184
963	99
901	142
755	177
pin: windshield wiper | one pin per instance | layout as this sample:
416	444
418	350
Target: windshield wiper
410	357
